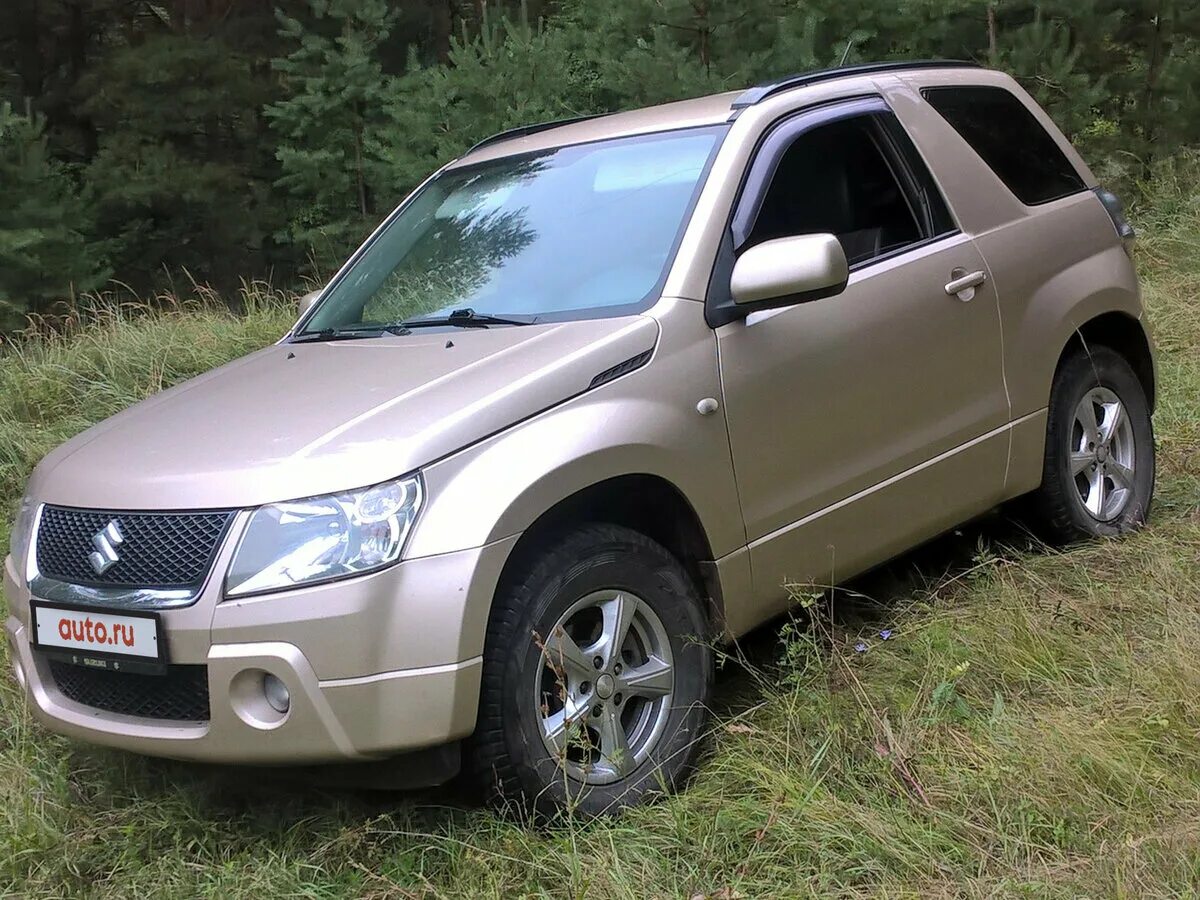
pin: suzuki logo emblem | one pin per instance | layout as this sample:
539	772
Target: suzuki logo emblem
106	543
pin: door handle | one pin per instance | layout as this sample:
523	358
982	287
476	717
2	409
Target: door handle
963	284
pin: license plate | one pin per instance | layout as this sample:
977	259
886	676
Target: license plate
92	636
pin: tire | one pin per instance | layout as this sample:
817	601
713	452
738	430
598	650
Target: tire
1075	503
548	629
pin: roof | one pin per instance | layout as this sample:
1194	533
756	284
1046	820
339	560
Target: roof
761	92
711	110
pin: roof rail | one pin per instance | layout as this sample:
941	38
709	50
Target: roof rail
761	92
526	130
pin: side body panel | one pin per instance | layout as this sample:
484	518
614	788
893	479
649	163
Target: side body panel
1054	266
645	422
864	423
873	525
835	406
826	399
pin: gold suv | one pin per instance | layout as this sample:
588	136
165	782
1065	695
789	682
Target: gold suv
582	406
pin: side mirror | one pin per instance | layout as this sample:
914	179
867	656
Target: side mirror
789	270
306	301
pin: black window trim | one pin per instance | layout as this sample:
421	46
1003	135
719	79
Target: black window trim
932	88
719	308
774	144
902	154
878	131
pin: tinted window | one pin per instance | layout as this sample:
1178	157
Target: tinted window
836	179
565	233
1010	139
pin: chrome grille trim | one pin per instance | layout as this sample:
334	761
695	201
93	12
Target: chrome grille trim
117	598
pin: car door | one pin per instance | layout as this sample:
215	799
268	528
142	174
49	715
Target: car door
862	423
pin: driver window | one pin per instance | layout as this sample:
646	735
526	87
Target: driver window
835	179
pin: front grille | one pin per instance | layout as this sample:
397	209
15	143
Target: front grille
181	695
157	550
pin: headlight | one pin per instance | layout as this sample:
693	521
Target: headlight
18	542
321	538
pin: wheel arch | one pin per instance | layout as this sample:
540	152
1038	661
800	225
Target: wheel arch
1123	333
647	503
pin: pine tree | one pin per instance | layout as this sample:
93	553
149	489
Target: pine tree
44	255
1159	45
1047	56
329	126
173	183
229	140
512	72
654	51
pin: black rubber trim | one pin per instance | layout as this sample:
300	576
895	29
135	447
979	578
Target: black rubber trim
624	368
773	147
527	130
761	92
412	769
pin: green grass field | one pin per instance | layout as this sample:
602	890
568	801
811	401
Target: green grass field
1031	727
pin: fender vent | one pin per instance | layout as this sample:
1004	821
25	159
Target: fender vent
634	362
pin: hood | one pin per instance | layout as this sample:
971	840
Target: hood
296	420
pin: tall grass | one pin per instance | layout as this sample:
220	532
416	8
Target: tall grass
983	717
61	377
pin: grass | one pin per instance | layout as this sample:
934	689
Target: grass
1029	727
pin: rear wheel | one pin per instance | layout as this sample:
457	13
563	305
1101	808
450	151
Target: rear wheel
1098	472
596	676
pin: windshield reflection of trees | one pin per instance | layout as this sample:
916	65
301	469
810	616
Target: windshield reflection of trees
455	256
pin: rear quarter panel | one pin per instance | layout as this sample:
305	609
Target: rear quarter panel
1054	271
1055	266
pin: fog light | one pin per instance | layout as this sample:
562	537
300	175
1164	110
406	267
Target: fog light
276	693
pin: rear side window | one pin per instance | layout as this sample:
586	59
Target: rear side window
1008	137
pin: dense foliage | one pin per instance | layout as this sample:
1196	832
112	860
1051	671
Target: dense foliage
187	141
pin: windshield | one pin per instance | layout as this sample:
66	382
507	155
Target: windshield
566	233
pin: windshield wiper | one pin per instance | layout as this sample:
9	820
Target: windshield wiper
348	334
460	318
468	318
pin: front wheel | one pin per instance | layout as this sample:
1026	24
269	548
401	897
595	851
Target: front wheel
1098	472
596	676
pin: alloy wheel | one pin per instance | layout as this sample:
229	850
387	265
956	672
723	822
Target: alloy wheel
605	687
1102	454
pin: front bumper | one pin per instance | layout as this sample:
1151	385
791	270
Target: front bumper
375	666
